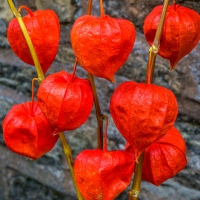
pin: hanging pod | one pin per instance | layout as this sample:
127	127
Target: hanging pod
164	158
44	30
102	44
26	131
180	31
143	113
103	175
65	100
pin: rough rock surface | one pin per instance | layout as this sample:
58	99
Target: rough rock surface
48	178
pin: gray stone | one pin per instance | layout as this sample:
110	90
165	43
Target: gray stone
65	55
5	12
65	9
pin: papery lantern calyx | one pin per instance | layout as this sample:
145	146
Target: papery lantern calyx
180	31
27	131
102	44
44	30
103	174
164	158
143	113
65	101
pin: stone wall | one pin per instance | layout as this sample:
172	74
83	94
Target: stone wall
48	178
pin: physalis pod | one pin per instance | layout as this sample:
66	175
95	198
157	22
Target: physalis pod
143	113
27	131
102	44
44	30
180	31
164	158
66	101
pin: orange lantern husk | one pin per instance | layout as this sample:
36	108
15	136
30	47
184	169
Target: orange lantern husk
180	31
103	175
143	113
65	100
44	30
102	44
27	132
164	158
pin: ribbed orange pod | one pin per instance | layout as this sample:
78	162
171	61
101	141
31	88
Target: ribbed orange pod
143	113
180	31
164	158
102	44
44	30
103	175
66	101
26	131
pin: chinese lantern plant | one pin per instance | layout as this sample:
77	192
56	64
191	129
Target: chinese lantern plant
44	30
66	100
103	174
143	113
164	158
27	131
102	44
180	31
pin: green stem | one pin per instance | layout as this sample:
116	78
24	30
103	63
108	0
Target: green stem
135	191
28	41
68	154
40	74
156	42
151	64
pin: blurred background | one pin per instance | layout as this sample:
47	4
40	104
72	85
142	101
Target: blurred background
48	178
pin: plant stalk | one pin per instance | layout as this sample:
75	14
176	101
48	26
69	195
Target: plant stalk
32	95
68	154
66	147
99	115
156	44
106	134
151	64
101	8
174	4
89	10
135	191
